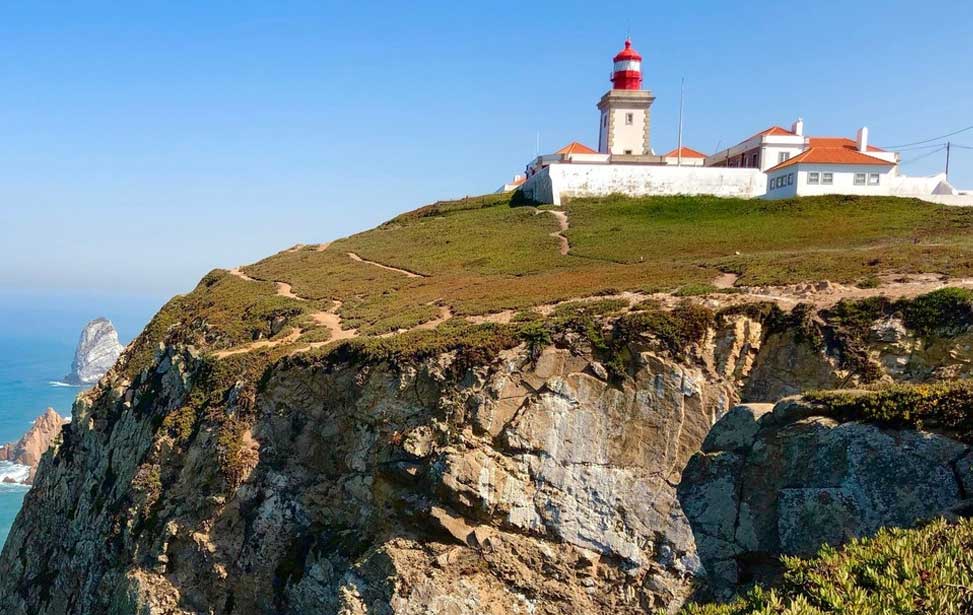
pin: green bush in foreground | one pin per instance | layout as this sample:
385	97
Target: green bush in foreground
945	407
926	570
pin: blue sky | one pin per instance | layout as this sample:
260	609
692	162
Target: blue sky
143	144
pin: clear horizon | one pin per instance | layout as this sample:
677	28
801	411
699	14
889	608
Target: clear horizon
144	146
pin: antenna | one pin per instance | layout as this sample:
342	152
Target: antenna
682	92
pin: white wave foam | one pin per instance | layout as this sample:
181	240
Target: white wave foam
58	383
13	471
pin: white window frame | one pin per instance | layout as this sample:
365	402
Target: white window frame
814	178
629	119
790	179
874	179
783	157
827	179
861	179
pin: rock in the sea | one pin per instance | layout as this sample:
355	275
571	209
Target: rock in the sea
31	447
97	351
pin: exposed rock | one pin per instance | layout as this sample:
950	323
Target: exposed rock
97	351
28	450
544	480
789	481
518	486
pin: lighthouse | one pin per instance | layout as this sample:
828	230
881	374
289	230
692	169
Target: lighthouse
625	125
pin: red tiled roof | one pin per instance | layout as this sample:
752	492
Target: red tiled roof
575	148
832	152
839	142
772	131
518	180
687	152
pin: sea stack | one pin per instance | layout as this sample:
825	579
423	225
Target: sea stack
31	447
97	351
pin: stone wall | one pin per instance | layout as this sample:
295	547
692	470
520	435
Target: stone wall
560	181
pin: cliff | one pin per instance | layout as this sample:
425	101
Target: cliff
334	430
32	445
98	349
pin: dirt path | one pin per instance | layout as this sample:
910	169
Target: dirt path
236	271
258	345
332	322
284	290
562	222
409	274
821	295
445	313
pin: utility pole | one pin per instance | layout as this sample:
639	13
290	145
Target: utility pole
682	91
948	145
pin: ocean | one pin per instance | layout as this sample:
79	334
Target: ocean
38	334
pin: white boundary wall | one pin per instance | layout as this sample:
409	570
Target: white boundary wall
558	181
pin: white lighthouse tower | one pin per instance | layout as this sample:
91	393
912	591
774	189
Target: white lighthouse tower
625	110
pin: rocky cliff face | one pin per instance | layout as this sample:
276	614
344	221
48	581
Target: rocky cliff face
530	480
788	480
97	351
31	447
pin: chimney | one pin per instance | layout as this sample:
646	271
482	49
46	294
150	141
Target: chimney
798	127
863	139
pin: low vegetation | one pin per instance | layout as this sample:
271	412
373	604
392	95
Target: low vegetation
946	407
494	253
926	570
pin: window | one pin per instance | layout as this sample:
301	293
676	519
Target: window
629	118
873	179
814	178
859	179
628	152
754	162
783	157
827	178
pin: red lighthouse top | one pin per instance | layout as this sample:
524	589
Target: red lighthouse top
627	73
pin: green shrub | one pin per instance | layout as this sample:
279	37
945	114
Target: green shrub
925	570
945	311
947	407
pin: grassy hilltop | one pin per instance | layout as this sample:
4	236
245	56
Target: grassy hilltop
477	257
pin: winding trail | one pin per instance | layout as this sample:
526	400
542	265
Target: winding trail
562	221
284	290
821	295
259	345
445	313
406	273
332	322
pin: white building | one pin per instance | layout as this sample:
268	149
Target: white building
763	150
774	163
836	165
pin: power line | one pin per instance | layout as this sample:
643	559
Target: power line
962	146
919	147
930	140
926	155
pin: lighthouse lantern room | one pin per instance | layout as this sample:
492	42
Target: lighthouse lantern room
625	126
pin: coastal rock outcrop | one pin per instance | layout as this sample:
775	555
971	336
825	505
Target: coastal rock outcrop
543	475
97	351
788	480
31	447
